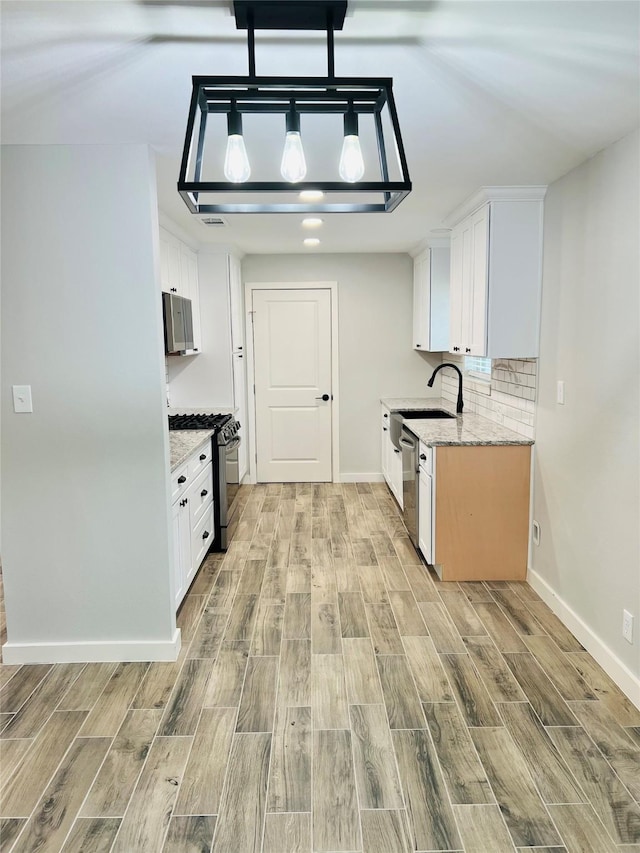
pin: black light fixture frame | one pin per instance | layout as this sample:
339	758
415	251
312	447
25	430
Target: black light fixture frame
254	94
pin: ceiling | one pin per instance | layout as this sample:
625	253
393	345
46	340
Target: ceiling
505	92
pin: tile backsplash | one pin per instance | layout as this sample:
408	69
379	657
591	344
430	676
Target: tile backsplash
508	399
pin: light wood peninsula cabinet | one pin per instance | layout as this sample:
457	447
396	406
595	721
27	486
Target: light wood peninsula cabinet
473	519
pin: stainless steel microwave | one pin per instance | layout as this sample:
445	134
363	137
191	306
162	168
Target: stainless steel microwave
178	324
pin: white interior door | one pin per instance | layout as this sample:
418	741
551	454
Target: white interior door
292	369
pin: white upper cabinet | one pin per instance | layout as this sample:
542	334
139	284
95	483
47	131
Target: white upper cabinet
236	304
431	300
179	275
496	273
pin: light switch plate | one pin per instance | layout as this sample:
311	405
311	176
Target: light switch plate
560	392
22	398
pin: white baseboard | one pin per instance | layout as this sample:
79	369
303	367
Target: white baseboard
92	652
362	478
619	672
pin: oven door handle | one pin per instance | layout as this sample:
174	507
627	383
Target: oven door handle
235	442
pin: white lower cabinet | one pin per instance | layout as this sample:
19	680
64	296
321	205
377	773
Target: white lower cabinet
201	539
391	458
192	518
425	516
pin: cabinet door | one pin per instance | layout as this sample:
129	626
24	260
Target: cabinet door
425	520
240	400
174	266
456	289
395	471
421	300
385	445
236	303
164	261
178	564
185	544
439	285
475	342
193	285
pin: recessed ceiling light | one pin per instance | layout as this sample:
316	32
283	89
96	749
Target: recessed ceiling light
312	241
311	195
312	222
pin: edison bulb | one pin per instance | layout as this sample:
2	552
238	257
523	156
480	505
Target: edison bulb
351	161
236	163
293	167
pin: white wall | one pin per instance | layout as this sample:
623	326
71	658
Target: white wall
205	380
375	304
85	477
587	475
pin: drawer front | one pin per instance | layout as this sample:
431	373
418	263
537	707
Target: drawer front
180	482
199	460
426	458
201	538
201	495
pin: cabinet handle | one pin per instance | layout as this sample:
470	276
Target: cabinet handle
205	535
173	290
384	429
467	349
239	347
456	349
240	356
423	457
395	450
203	456
417	346
182	479
204	493
386	415
324	397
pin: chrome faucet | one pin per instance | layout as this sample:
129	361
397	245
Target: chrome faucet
459	404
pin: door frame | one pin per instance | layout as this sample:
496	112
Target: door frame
332	287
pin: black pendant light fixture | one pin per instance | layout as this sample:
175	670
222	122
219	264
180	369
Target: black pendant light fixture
355	115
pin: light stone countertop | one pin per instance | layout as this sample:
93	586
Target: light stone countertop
184	442
465	429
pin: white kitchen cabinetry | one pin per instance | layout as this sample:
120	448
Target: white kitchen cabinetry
192	517
391	458
236	319
431	275
179	275
496	273
425	523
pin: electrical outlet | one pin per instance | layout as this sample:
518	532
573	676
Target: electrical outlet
627	626
536	533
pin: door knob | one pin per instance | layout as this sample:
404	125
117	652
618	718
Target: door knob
324	397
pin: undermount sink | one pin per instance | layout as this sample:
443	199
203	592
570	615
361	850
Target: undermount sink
423	414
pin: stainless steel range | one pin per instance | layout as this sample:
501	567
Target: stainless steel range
225	468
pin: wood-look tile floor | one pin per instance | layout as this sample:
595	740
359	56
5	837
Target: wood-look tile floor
331	695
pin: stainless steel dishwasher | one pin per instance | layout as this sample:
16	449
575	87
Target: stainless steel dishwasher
410	481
